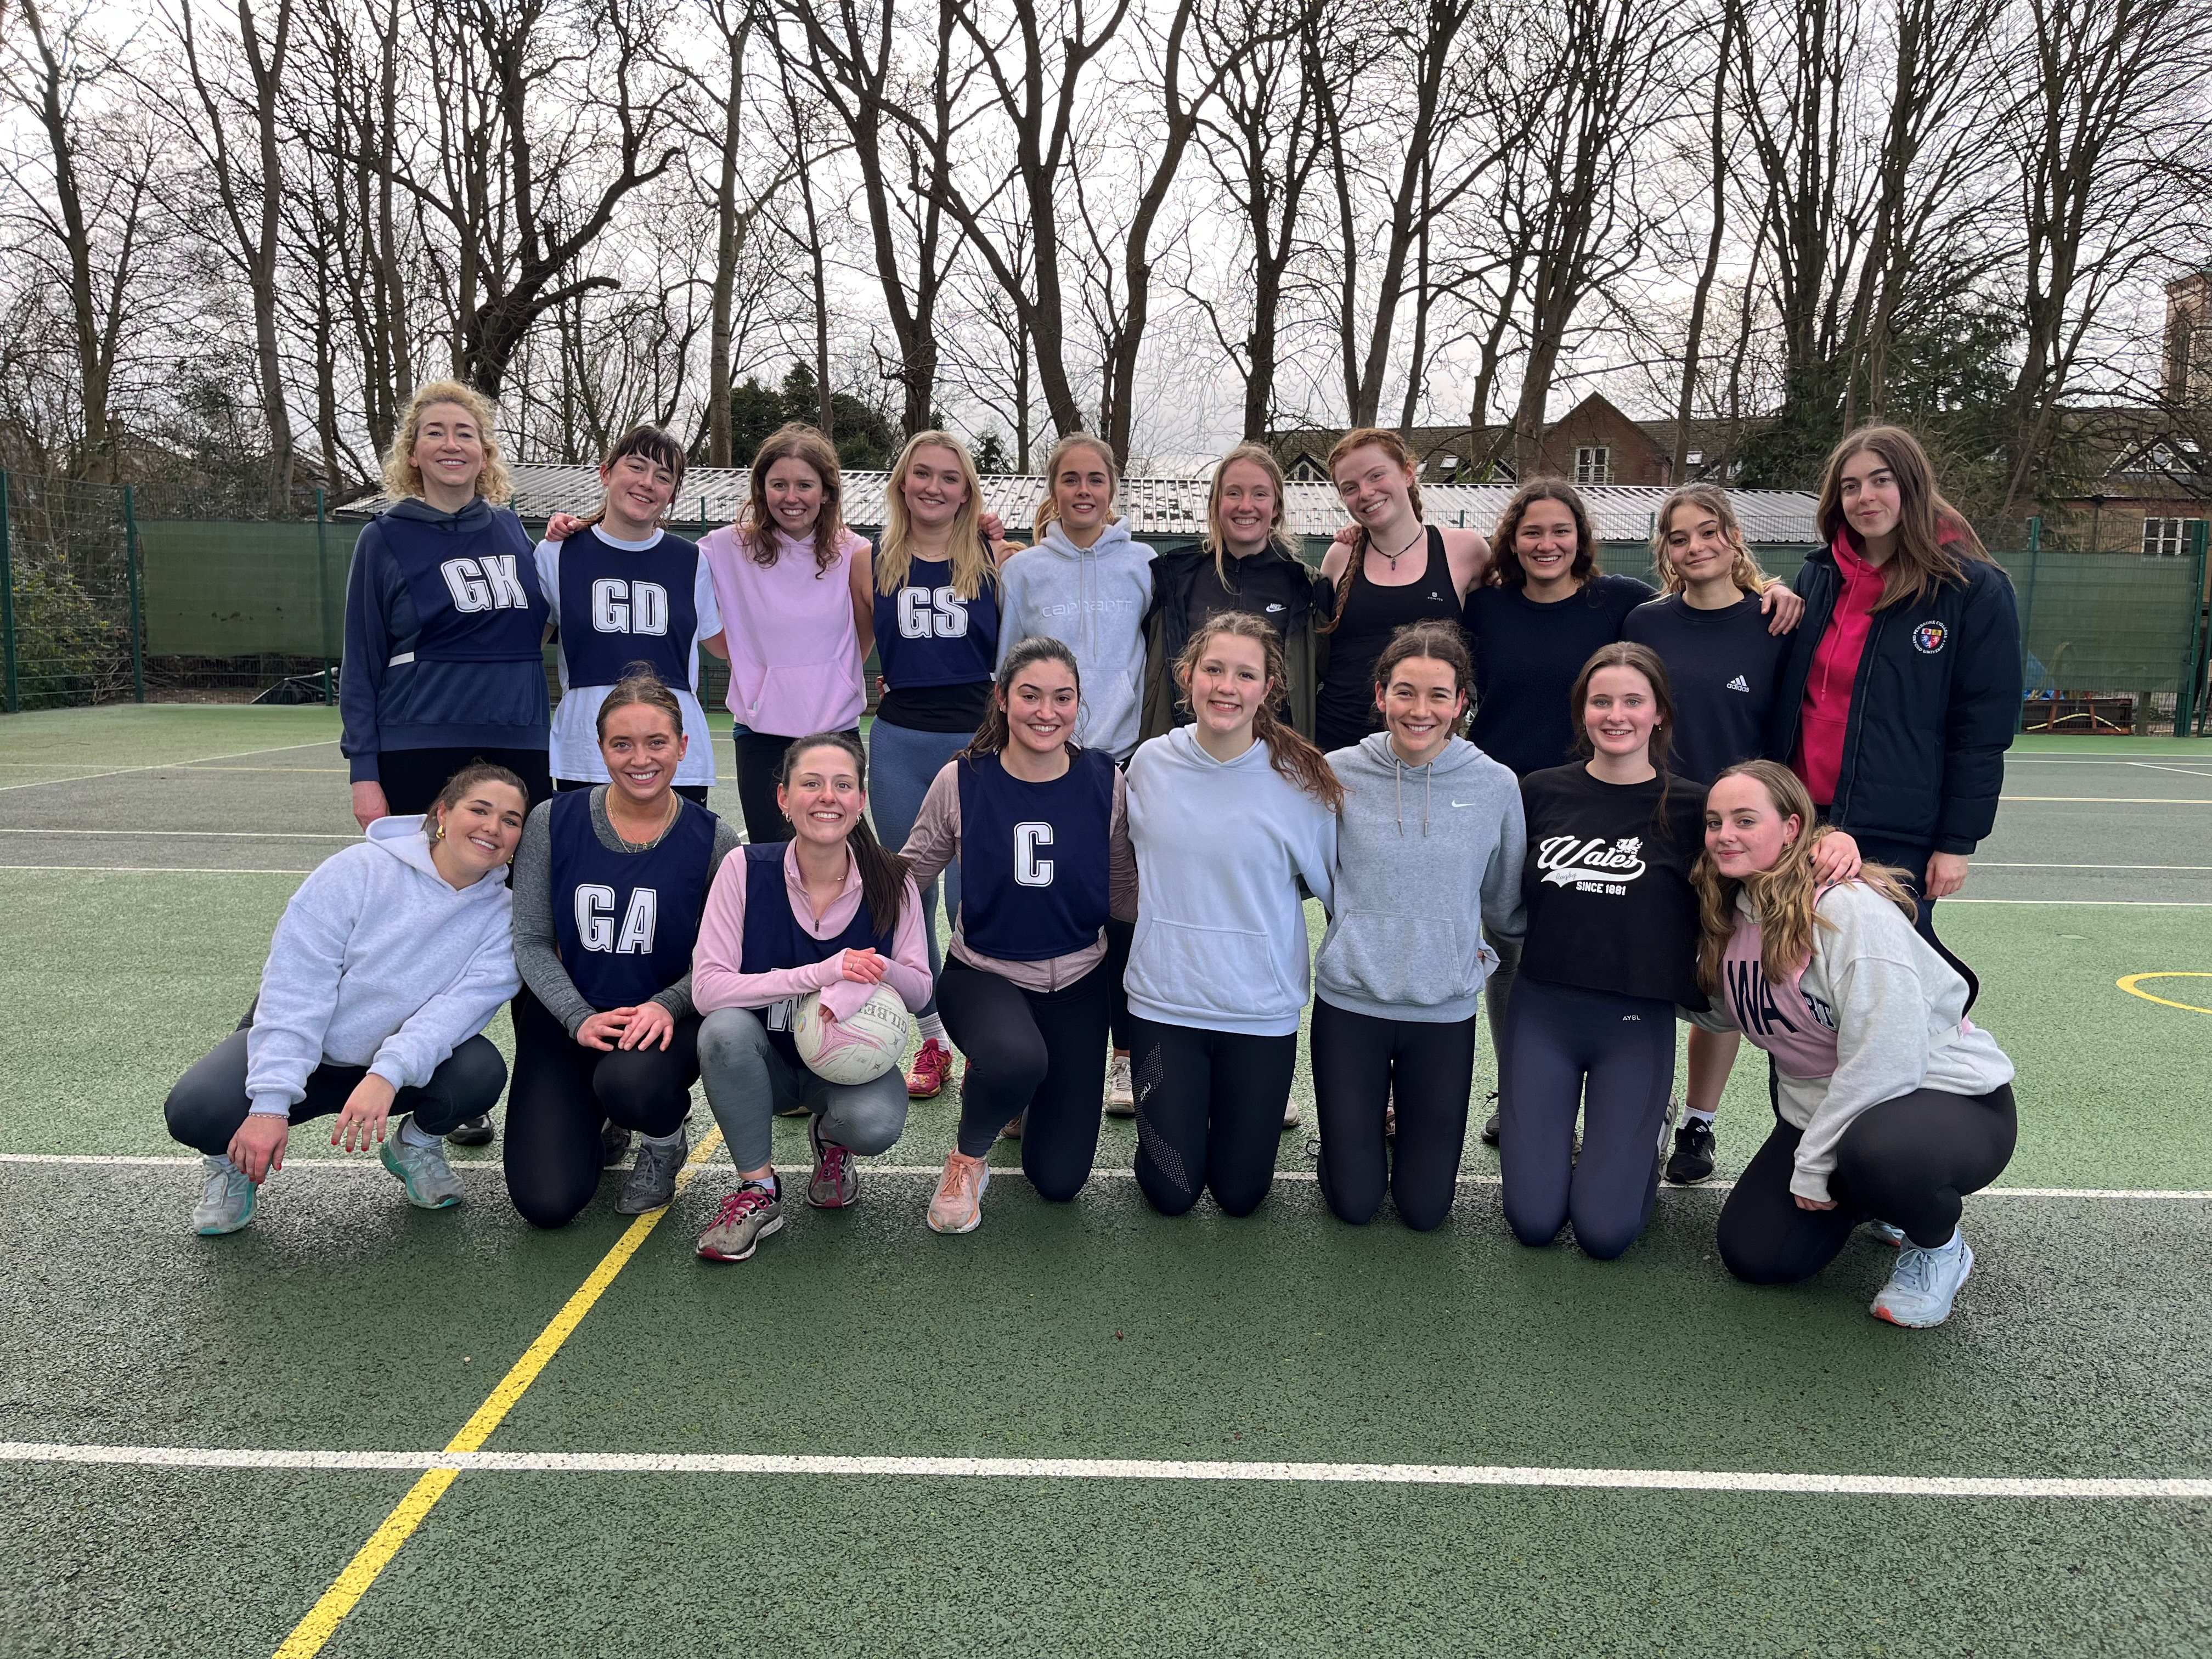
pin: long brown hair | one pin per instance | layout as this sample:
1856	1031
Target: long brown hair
1743	569
1505	568
882	873
1785	896
966	550
1217	533
654	445
1641	659
1436	641
1360	437
993	735
1935	543
1287	752
1048	509
795	440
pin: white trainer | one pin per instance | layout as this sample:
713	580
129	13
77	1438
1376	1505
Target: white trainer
1120	1092
225	1202
1924	1283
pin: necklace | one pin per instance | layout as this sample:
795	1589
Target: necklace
667	820
1419	534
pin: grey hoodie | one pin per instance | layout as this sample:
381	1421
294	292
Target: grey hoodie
376	962
1093	600
1426	858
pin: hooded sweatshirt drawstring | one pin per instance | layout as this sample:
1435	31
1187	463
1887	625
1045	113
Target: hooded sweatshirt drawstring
1428	792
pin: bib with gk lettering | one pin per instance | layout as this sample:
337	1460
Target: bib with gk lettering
476	592
1034	857
626	922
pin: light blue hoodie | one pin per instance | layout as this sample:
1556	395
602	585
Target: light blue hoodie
376	962
1093	600
1222	847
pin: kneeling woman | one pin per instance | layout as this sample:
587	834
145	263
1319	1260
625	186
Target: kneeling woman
829	910
609	887
1421	874
386	966
1891	1104
1229	816
1038	830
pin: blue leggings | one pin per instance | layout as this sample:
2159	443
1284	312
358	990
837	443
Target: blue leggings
903	763
1612	1059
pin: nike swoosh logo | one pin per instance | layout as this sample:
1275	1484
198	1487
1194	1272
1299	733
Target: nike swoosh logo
1467	803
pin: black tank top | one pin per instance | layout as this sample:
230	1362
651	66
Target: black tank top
1344	705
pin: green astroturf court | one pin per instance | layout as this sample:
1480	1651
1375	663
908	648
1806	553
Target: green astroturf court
360	1429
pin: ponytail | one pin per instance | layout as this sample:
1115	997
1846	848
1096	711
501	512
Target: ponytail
882	873
1288	752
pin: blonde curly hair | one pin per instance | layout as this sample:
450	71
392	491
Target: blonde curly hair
403	478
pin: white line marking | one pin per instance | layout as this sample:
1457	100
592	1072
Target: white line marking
2144	904
168	766
1979	864
363	1165
1118	1469
2120	759
2115	801
2180	771
149	870
206	835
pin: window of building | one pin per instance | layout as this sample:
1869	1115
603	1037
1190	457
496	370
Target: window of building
2167	539
1594	464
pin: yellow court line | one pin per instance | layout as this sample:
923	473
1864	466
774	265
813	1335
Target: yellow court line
2111	800
2132	984
323	1620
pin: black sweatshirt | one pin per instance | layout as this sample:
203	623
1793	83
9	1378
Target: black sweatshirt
1607	885
1724	668
1526	657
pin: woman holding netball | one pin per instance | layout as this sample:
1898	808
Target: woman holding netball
1902	691
830	911
609	888
1233	820
1891	1104
445	625
389	962
1430	844
1038	828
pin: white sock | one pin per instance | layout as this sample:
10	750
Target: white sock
221	1161
414	1134
1693	1116
933	1030
675	1139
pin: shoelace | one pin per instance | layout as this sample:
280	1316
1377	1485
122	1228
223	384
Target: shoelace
740	1204
834	1160
1916	1267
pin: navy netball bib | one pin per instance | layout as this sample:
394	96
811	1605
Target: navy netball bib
621	605
1034	857
626	922
927	634
476	594
774	939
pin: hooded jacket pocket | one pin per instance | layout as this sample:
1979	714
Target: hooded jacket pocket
1416	961
1207	973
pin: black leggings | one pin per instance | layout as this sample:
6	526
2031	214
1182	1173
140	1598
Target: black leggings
1610	1057
564	1090
1209	1112
1908	1162
1039	1052
1360	1064
209	1102
696	792
412	778
760	757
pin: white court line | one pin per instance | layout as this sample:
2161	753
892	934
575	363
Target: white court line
1118	1469
168	766
1007	1172
2140	904
149	870
2115	801
1979	864
221	834
2181	771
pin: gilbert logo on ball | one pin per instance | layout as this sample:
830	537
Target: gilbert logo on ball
859	1048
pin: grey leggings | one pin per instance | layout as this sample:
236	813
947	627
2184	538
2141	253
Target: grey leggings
747	1081
1497	996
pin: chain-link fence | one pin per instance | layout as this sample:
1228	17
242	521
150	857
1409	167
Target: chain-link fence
100	608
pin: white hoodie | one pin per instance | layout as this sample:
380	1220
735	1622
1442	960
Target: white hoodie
378	963
1093	600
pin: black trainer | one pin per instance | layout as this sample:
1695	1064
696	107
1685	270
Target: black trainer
614	1143
1693	1160
477	1131
1490	1123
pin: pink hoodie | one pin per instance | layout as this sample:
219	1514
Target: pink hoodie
718	982
794	646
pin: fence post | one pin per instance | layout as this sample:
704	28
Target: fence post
323	595
137	610
2027	608
2187	712
15	700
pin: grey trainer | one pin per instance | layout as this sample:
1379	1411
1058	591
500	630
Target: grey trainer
430	1182
226	1202
652	1180
747	1216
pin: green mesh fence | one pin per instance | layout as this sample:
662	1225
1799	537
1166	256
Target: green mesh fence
230	608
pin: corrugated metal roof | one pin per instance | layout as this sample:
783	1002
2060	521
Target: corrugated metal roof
1163	506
